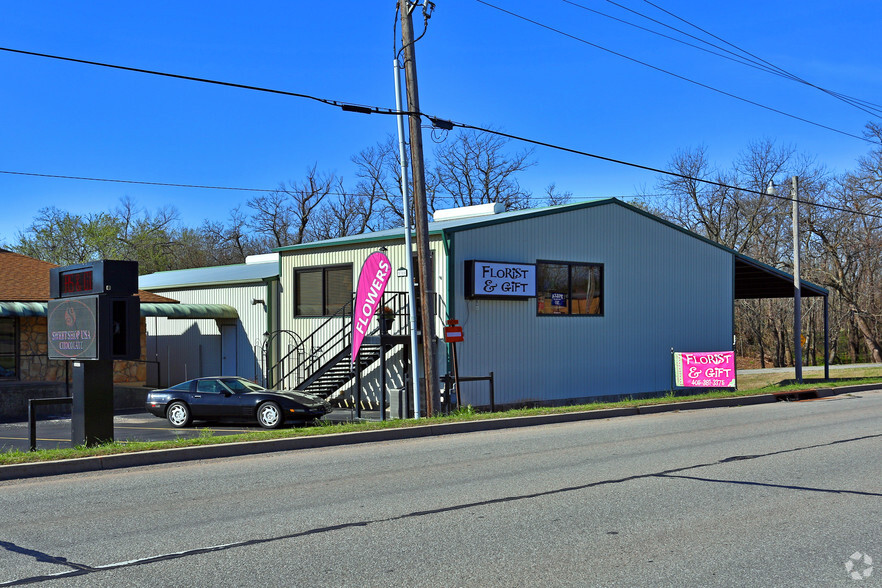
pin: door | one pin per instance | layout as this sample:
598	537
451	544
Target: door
228	350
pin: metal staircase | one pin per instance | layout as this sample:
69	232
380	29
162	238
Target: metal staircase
320	363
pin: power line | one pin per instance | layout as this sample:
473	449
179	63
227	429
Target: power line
772	68
678	76
749	61
653	169
347	106
442	123
140	182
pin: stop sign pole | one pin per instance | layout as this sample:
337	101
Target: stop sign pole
453	335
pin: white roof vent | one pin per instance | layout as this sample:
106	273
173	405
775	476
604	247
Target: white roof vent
468	211
262	258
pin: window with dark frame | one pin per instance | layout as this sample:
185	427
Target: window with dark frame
323	291
8	348
569	288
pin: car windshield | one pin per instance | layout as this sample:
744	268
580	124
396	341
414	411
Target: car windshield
238	385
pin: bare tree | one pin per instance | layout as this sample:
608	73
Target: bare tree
283	217
476	168
553	197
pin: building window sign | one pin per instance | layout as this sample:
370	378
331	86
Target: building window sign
569	288
499	279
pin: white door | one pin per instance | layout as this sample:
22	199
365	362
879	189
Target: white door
228	350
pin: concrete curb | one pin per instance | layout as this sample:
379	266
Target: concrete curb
165	456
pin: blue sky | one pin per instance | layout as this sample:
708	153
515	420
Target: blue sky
476	65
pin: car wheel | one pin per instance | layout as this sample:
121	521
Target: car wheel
178	414
269	415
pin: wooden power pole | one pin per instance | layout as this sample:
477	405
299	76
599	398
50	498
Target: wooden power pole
421	217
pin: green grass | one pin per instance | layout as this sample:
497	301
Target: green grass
207	436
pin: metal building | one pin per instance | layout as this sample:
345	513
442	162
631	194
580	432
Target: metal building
221	325
562	304
616	289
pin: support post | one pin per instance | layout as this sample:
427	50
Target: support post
92	411
421	217
405	209
826	338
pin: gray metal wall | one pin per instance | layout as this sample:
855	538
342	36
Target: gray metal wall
662	288
188	348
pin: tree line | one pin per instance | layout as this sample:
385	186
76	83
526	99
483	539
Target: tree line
840	241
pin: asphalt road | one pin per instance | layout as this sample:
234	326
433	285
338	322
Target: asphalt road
770	495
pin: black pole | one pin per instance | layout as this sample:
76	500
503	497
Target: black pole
492	395
826	339
383	331
32	426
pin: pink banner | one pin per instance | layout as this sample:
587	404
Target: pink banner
371	284
705	370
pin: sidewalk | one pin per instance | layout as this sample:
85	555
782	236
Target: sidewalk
162	456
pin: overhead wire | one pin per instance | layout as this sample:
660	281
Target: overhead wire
759	60
675	75
373	109
348	106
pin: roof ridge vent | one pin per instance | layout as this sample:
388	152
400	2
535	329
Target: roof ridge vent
446	214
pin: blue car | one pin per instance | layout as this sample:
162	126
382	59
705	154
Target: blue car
233	399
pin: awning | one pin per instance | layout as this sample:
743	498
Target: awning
189	311
167	310
754	279
22	309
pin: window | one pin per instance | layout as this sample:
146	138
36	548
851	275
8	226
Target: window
8	348
569	288
323	291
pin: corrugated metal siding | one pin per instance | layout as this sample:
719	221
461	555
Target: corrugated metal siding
662	289
191	348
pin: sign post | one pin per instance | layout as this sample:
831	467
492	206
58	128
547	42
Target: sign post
453	335
93	318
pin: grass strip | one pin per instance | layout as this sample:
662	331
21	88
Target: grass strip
207	436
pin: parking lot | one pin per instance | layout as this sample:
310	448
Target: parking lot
55	433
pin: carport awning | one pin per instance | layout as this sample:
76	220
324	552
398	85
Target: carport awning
167	310
757	280
189	311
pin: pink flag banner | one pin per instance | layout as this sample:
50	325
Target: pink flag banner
371	284
705	369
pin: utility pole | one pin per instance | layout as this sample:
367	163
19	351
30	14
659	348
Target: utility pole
421	217
797	290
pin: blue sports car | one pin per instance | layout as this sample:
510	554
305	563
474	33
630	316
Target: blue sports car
233	398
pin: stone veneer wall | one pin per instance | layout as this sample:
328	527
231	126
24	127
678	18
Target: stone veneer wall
35	366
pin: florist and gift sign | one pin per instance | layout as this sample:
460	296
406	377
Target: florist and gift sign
705	369
499	279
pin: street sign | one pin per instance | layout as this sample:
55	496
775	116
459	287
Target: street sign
453	332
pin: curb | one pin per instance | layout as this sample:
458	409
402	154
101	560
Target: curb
166	456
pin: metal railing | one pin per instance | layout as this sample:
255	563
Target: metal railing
328	341
32	416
